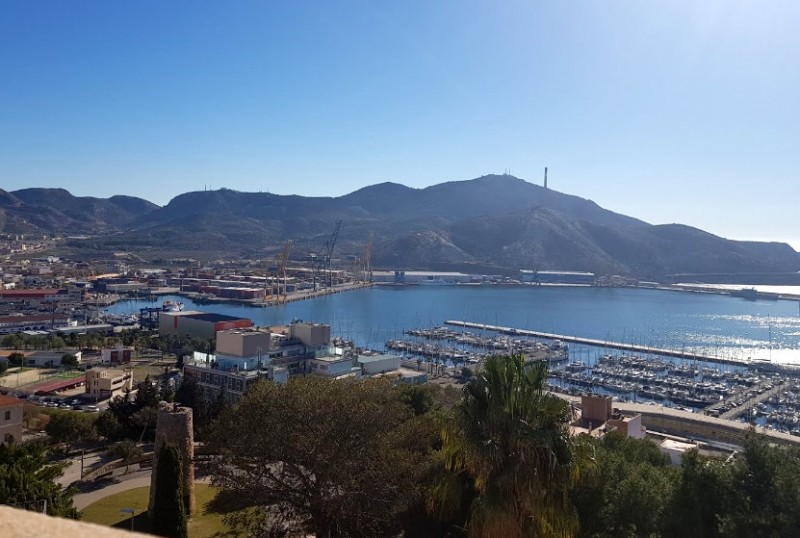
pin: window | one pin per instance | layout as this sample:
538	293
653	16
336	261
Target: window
8	415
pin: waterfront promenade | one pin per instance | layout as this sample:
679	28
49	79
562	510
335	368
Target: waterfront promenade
681	354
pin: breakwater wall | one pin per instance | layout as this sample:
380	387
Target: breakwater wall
681	354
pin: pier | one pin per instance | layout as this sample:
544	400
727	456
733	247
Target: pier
681	354
762	395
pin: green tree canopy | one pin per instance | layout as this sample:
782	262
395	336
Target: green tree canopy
16	359
69	360
766	491
70	427
333	458
27	479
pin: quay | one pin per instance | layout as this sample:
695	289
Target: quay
290	297
598	343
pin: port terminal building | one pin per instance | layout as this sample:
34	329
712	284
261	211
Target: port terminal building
421	277
203	325
575	278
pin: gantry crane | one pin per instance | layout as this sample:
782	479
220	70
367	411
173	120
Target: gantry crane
367	258
282	261
321	260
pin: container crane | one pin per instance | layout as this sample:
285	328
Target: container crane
282	261
367	258
322	258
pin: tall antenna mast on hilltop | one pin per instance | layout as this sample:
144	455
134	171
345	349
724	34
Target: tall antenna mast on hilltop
545	177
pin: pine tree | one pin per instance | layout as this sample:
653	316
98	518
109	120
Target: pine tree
169	510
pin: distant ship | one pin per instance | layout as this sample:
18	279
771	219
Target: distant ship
119	319
752	294
171	306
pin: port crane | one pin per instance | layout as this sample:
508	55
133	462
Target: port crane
275	279
321	260
283	259
367	259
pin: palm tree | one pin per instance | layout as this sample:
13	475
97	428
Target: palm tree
510	444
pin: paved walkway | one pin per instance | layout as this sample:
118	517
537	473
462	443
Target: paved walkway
132	480
136	479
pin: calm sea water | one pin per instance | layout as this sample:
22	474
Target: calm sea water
713	324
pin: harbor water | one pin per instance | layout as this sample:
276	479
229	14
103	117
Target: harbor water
708	324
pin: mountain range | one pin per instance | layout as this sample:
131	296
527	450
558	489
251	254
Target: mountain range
495	223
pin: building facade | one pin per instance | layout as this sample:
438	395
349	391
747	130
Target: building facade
245	355
32	322
10	419
574	278
117	355
50	359
105	383
202	325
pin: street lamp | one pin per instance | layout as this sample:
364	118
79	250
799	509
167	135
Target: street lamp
130	511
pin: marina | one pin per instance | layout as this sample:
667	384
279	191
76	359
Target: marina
473	347
605	344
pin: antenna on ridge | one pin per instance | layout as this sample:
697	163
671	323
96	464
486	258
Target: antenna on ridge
545	177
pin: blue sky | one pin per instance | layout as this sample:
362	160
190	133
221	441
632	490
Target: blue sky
673	111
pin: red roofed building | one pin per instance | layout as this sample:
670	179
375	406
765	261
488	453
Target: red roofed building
10	419
27	295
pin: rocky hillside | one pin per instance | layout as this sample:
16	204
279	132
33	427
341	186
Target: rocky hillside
56	211
491	223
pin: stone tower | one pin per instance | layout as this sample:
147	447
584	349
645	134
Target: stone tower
175	426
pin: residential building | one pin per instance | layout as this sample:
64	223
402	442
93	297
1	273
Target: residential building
10	419
104	383
598	417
